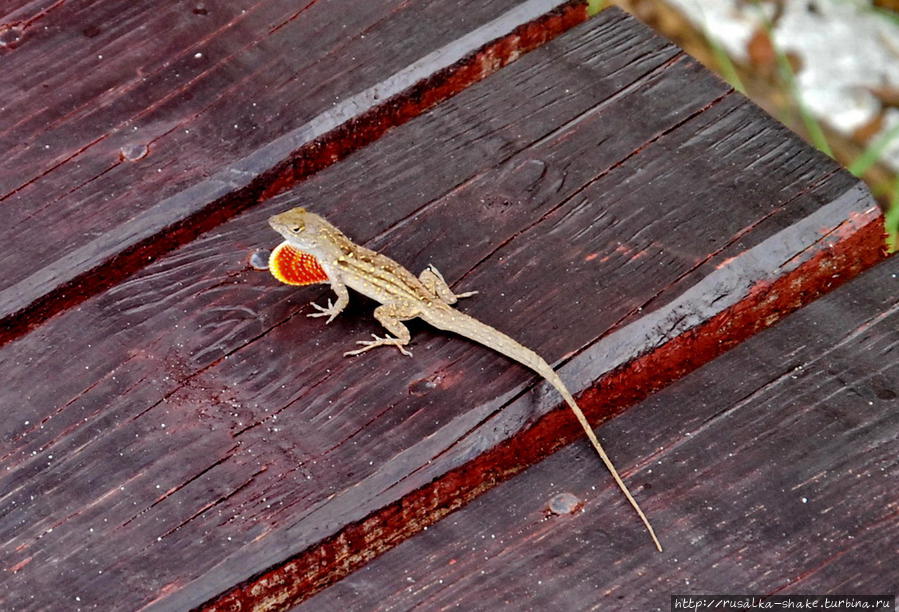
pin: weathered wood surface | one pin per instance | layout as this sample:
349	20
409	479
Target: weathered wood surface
129	128
198	429
772	469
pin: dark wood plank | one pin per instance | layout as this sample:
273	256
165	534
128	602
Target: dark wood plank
209	431
158	123
771	469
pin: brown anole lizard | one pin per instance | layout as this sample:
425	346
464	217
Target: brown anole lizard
317	252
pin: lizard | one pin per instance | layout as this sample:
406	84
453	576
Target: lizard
315	251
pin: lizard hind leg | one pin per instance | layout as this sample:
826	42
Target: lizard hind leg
391	317
433	281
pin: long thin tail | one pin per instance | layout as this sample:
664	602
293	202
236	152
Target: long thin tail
482	333
556	382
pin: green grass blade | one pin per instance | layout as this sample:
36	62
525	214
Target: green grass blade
594	6
812	127
874	151
728	69
891	219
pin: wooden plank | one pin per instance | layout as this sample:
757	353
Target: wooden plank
158	123
778	480
207	431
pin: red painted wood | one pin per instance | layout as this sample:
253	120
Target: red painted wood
156	123
770	470
212	436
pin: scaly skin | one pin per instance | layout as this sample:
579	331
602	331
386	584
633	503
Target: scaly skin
403	296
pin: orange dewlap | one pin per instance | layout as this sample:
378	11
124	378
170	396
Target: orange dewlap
294	267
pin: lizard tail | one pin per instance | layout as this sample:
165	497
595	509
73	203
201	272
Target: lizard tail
556	382
492	338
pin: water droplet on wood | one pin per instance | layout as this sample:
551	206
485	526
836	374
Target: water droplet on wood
11	35
134	152
565	503
259	259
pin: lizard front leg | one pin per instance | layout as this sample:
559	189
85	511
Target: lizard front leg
390	316
433	281
332	310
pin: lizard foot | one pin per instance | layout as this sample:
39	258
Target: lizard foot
330	311
440	287
385	341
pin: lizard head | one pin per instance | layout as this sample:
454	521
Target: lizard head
301	228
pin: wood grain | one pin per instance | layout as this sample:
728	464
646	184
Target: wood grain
156	124
770	470
212	436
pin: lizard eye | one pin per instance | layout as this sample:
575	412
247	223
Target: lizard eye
296	229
